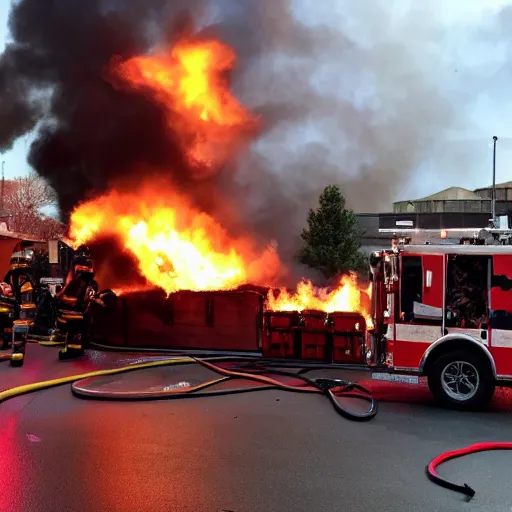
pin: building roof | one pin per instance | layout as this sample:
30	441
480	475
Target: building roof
506	184
451	193
5	233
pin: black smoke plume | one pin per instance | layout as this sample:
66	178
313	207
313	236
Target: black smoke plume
90	134
358	102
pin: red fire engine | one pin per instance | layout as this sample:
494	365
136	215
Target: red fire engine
444	312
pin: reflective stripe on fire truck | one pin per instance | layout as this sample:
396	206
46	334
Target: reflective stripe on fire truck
501	338
413	343
394	377
417	333
409	344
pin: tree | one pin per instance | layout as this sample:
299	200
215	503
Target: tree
332	240
47	228
23	203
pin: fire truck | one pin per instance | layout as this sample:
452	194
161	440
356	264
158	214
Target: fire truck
444	312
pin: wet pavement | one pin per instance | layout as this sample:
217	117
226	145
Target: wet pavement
267	451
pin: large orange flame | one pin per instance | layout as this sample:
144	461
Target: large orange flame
190	81
176	246
347	296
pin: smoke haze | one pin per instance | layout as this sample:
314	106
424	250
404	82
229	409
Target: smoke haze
359	97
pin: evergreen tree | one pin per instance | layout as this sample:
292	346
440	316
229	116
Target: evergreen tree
332	240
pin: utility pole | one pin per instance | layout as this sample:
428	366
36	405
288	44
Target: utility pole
495	139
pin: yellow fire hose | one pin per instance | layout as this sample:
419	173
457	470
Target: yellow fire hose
332	388
37	386
47	343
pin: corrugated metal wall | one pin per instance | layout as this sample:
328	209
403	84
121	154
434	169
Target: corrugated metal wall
503	207
441	206
502	193
371	223
444	220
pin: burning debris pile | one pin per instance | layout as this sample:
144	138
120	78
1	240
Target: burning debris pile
177	246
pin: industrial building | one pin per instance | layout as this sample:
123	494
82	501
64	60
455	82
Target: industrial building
450	209
460	200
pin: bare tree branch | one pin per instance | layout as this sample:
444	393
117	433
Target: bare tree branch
23	203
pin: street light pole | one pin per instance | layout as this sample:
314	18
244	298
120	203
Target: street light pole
495	139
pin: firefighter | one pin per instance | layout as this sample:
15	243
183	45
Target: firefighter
20	280
8	311
72	303
20	272
44	322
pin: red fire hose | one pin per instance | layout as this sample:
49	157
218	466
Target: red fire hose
474	448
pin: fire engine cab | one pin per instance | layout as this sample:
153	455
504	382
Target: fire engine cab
444	312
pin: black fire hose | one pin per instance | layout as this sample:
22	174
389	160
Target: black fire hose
332	388
474	448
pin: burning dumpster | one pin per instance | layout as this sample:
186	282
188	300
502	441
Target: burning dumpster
184	320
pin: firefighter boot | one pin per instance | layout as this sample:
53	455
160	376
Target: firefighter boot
19	338
73	348
71	323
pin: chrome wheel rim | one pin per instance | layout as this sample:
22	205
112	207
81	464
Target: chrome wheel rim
460	380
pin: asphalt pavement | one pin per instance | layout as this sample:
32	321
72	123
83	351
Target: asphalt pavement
267	451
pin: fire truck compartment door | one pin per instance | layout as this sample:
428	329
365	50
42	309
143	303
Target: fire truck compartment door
433	280
501	283
501	313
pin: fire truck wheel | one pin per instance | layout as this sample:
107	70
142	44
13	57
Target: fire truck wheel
461	380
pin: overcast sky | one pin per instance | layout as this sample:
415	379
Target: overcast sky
489	106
